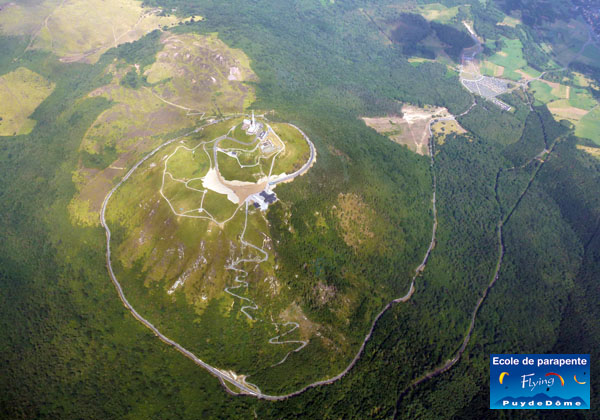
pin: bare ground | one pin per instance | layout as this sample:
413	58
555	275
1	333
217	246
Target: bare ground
410	129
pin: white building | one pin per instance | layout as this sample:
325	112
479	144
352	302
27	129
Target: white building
253	128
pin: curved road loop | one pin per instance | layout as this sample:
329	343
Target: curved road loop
226	377
246	388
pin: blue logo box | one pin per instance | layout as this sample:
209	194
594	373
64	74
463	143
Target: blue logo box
540	381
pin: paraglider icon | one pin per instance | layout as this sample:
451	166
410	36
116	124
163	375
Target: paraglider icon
562	381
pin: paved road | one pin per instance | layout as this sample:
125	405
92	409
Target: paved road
305	167
216	372
245	388
222	376
501	251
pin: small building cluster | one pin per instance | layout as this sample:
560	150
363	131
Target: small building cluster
262	199
252	127
266	147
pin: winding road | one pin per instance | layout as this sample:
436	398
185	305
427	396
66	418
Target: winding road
214	371
226	377
250	389
496	273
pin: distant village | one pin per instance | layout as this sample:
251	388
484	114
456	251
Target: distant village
590	10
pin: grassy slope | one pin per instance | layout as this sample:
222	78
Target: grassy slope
589	126
81	30
21	91
296	151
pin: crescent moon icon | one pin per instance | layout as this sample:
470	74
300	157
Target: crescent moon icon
502	375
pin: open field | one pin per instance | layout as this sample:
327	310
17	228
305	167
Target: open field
438	12
487	68
441	129
432	11
576	105
26	18
296	151
510	21
581	98
419	60
21	91
81	30
528	73
589	126
230	168
545	91
187	165
562	109
510	57
581	80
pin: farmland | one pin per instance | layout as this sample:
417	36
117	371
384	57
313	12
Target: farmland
510	58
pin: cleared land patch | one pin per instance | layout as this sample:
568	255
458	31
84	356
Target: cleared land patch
21	92
581	98
411	129
296	150
441	129
545	91
594	151
582	80
510	21
562	109
589	126
528	73
487	68
438	12
355	219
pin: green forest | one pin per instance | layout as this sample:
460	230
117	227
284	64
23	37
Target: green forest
70	350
